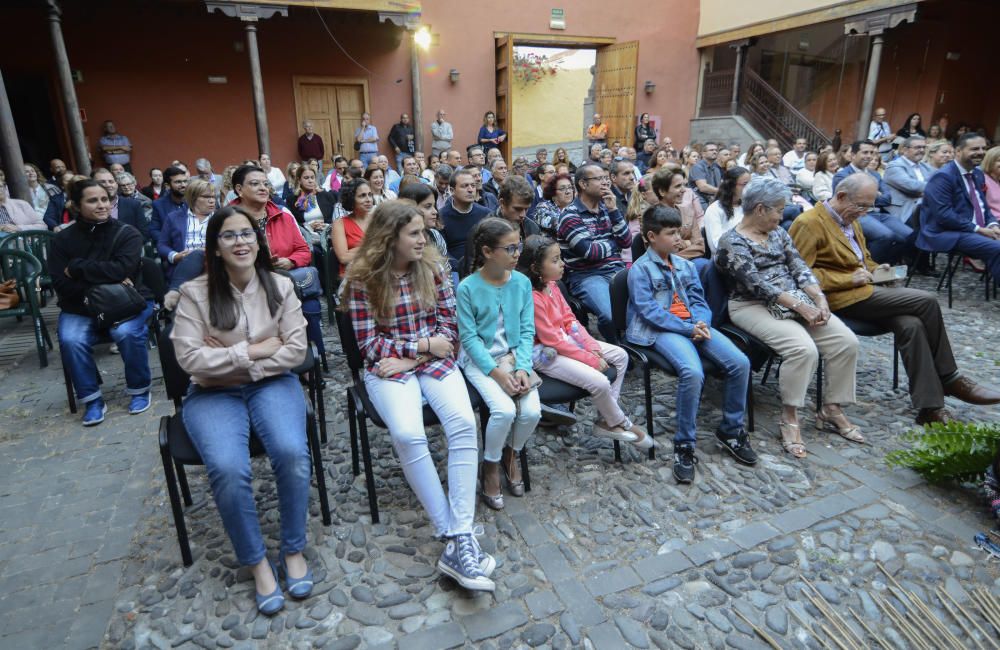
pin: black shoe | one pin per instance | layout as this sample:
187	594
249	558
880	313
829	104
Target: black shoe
557	415
738	446
684	462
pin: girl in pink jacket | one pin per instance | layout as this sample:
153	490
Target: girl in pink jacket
564	349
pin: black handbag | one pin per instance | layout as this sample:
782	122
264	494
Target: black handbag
113	303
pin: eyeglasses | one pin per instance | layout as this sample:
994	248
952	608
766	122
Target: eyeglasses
599	179
230	237
512	249
564	188
864	207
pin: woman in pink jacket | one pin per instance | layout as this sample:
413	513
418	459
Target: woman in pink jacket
564	349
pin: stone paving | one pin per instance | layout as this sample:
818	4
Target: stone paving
597	555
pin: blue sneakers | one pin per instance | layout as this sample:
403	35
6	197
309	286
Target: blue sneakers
138	404
460	560
94	413
486	561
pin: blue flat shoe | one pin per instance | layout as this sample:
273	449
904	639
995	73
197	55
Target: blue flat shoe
298	588
139	404
272	603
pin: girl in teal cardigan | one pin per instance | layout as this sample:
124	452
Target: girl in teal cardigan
496	324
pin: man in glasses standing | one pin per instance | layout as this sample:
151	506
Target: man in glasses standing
592	233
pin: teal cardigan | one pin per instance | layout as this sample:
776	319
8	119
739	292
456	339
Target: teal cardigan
479	304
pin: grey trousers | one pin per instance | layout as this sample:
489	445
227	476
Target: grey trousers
915	318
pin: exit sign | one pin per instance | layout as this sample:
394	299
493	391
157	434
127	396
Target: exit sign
558	19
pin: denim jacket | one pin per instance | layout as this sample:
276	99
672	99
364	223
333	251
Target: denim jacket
651	287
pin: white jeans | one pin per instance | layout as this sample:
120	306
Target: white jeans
507	417
400	404
603	393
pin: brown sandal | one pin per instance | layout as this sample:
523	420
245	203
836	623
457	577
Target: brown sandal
792	444
825	422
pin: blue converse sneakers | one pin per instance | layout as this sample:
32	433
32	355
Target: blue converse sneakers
94	413
486	561
460	561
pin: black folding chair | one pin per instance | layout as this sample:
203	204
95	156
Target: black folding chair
647	358
176	449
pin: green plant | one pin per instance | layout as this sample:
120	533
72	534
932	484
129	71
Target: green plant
954	451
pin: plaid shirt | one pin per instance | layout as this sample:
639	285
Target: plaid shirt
194	234
399	338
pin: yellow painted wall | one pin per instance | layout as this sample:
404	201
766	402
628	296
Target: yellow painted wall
725	15
550	110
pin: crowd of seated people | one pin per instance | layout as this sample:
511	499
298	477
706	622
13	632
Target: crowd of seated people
466	271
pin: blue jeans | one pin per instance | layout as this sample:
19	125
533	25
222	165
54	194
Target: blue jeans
888	238
366	157
218	421
685	356
77	336
593	289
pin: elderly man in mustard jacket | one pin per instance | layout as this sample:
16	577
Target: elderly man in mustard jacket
831	242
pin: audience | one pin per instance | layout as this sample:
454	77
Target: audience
490	135
905	177
496	324
442	134
97	250
175	180
459	214
991	174
726	213
239	382
17	215
347	233
775	297
845	275
557	194
826	167
184	231
671	190
667	310
123	209
402	309
425	197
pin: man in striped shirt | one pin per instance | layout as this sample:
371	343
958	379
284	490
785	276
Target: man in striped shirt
592	233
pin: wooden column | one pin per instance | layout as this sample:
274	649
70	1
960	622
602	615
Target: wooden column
418	110
71	108
10	149
741	48
871	85
257	81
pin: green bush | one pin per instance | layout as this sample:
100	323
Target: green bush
958	451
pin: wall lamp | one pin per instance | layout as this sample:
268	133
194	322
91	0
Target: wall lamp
453	75
649	87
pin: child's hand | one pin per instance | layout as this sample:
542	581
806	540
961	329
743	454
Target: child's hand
508	382
602	365
522	378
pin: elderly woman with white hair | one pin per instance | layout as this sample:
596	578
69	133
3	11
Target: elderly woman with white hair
775	297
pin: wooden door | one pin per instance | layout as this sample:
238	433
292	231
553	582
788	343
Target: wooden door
334	106
614	89
504	70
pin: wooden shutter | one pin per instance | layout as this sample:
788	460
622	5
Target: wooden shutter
614	89
505	67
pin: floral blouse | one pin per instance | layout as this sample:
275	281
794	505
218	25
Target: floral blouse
761	271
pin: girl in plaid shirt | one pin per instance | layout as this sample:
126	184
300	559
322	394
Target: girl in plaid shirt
402	306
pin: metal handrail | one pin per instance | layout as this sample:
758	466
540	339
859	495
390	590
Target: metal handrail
769	111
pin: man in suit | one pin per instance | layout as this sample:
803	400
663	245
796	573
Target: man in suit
888	237
175	181
833	245
906	176
123	208
955	215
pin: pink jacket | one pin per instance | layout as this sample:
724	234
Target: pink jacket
557	327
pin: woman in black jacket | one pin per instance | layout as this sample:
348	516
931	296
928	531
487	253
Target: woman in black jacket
313	207
96	249
644	131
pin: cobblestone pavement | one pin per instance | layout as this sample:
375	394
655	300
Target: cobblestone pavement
597	555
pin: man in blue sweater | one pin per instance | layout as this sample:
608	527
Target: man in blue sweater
459	215
176	181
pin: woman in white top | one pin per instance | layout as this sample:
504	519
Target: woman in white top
36	187
725	213
804	177
376	180
274	174
826	167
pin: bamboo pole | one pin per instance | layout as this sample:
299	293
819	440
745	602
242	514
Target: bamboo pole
958	618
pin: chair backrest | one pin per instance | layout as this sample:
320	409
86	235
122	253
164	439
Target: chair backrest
175	380
349	343
619	300
638	247
24	268
152	277
36	242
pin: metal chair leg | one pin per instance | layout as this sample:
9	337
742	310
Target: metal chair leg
70	395
182	479
767	370
175	506
648	390
750	416
352	423
324	502
524	469
369	474
819	384
895	363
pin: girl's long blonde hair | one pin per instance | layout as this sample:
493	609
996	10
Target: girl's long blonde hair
373	264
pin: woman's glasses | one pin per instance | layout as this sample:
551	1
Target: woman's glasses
230	237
